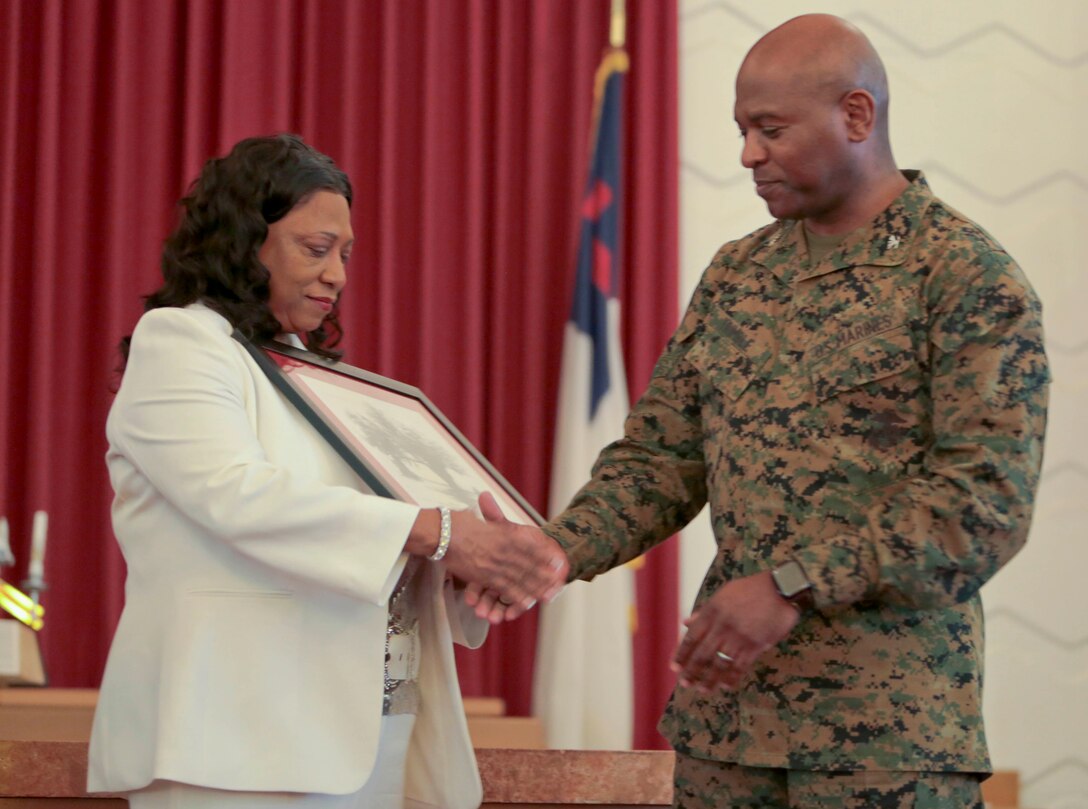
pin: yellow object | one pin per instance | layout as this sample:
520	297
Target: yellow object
634	566
21	606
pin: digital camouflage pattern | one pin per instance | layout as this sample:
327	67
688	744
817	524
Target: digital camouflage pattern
879	417
702	784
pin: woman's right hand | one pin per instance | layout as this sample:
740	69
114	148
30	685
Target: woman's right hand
518	562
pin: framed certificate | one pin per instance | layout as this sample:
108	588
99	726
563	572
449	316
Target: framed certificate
392	435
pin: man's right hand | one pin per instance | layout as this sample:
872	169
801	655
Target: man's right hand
517	562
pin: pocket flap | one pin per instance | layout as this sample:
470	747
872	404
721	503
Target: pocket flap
728	357
883	355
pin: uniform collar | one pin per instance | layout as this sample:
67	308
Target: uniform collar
884	242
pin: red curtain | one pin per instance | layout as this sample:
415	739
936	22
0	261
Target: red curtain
464	125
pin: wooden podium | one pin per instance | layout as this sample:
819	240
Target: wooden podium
52	775
43	759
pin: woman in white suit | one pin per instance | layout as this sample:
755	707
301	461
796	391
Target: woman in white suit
286	638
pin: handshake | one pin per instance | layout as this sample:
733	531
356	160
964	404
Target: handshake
507	567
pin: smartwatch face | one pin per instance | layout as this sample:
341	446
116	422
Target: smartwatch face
790	579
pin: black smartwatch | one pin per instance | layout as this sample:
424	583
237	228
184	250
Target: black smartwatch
792	584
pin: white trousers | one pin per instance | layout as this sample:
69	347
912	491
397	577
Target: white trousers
383	790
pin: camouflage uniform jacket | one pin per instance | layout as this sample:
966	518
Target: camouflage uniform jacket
878	417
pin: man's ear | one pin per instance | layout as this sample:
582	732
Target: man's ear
859	109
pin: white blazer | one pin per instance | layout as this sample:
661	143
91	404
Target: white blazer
250	652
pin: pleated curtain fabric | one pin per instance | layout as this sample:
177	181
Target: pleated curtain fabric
462	124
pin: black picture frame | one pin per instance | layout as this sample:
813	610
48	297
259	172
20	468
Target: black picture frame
394	437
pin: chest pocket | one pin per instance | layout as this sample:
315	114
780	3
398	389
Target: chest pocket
728	357
876	358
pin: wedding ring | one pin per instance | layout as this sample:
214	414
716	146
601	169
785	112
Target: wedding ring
504	602
722	656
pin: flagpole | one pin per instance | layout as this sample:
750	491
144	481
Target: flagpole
618	30
614	60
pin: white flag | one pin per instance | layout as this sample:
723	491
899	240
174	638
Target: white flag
583	685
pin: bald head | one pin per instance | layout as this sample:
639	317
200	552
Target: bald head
812	109
821	56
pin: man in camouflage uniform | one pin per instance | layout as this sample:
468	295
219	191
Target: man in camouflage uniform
859	392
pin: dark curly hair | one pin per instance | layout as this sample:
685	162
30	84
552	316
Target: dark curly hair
211	257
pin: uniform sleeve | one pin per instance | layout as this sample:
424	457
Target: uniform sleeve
934	539
180	424
648	484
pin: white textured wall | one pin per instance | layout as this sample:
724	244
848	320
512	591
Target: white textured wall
988	98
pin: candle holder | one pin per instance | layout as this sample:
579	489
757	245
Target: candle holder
20	655
20	652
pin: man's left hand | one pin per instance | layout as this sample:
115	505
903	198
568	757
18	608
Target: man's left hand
742	620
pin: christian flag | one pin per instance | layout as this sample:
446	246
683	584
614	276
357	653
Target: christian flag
583	681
